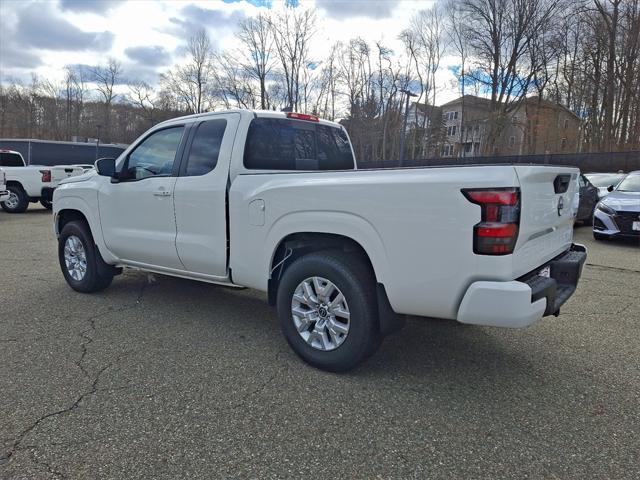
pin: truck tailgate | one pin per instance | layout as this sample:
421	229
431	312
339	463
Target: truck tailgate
549	201
59	173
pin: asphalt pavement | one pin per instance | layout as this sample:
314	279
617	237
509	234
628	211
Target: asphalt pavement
164	378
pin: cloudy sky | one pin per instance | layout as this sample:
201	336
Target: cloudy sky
148	36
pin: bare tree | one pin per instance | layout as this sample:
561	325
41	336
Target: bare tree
610	15
142	96
191	83
106	78
499	34
232	83
292	30
256	54
425	44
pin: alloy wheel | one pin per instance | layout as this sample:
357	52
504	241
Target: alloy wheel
320	313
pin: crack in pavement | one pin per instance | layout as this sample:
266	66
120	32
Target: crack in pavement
606	267
87	336
18	441
260	388
50	469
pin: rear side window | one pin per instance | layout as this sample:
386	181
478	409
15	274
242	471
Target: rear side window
10	160
283	144
205	147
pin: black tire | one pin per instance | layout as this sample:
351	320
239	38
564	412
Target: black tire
98	275
46	204
354	278
23	200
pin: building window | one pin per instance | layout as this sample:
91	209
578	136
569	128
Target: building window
450	116
566	123
512	141
563	143
447	151
451	130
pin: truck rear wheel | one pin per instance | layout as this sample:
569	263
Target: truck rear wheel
18	201
81	263
328	309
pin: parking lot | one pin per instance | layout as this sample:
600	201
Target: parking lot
159	377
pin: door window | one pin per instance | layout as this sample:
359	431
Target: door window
205	147
154	156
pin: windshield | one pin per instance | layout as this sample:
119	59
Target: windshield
630	184
605	179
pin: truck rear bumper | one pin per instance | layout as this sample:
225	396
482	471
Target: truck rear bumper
519	303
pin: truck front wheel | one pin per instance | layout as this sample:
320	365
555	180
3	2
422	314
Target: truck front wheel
18	201
81	263
327	306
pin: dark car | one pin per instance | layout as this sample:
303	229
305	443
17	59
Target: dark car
588	199
618	214
604	180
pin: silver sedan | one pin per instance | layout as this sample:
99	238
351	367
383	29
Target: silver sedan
618	214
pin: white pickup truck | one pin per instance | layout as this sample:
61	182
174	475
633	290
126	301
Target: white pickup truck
275	202
4	193
31	183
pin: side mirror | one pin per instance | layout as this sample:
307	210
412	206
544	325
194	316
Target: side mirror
610	188
106	167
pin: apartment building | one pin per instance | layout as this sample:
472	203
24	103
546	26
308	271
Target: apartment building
536	127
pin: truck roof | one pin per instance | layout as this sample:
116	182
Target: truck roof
255	113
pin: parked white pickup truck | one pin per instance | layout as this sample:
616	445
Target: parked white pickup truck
274	202
31	183
4	193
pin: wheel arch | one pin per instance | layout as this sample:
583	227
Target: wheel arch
67	209
67	215
14	183
298	244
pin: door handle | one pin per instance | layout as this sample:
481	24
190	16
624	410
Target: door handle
162	193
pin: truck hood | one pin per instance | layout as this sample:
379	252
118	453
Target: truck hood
623	201
79	178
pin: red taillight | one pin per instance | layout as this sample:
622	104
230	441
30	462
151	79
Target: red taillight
303	116
500	197
46	175
497	232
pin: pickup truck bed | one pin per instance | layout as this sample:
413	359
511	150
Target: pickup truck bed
414	223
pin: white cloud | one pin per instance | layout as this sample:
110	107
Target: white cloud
137	27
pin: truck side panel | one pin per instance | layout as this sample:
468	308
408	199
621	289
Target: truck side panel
414	224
